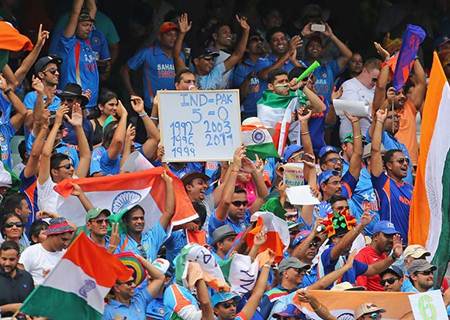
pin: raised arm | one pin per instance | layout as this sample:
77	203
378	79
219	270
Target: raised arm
79	193
355	160
304	115
118	140
239	51
300	250
184	25
346	53
317	104
156	276
380	89
44	164
376	162
327	280
92	7
130	135
151	144
83	145
320	309
347	240
420	86
380	266
204	300
71	26
169	211
257	172
258	291
32	165
21	111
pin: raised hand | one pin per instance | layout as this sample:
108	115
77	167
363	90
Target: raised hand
350	259
77	115
260	239
384	54
37	85
184	25
166	177
130	135
60	113
337	93
328	31
381	115
397	246
121	111
259	164
294	43
306	32
87	94
248	165
243	23
114	239
43	35
3	83
239	154
303	114
311	162
160	152
76	191
350	117
137	103
366	218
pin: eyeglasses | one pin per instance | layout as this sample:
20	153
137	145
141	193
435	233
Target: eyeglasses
401	160
12	224
314	244
66	166
142	252
335	160
300	271
388	280
227	305
425	273
240	203
52	71
374	79
102	221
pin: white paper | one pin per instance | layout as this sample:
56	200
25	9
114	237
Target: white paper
301	195
355	108
136	162
428	305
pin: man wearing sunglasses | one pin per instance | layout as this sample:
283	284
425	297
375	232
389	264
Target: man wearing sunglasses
421	275
388	173
368	311
392	279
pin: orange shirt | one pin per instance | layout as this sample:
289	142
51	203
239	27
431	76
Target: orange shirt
407	131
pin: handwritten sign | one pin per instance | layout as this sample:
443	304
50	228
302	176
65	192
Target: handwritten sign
199	125
293	174
428	305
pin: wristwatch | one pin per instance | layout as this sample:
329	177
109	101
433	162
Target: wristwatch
392	255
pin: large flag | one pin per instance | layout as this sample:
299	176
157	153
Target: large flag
342	304
76	287
123	191
257	140
429	220
276	230
412	38
240	272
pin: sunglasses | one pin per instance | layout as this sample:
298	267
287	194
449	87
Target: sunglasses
52	71
388	280
12	224
335	160
66	166
142	252
374	315
374	79
425	273
341	208
102	221
240	203
314	244
227	305
402	160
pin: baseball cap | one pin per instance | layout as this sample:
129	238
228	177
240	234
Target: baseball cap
220	297
348	138
222	233
393	269
163	265
44	61
292	262
416	251
95	212
367	151
290	311
385	227
326	150
290	150
167	26
420	265
58	226
186	179
302	235
327	174
85	16
366	308
347	286
199	52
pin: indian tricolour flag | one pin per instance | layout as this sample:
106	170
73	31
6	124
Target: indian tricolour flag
429	221
123	191
257	140
76	287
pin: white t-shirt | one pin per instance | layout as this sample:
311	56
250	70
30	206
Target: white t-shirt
47	196
354	90
225	84
39	262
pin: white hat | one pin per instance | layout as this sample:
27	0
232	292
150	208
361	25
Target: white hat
161	264
366	308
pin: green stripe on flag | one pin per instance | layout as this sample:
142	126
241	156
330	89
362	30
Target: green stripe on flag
276	101
442	255
56	304
263	150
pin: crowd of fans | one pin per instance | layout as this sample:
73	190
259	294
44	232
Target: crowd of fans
59	120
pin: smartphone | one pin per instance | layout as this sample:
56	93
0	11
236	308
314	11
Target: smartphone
318	27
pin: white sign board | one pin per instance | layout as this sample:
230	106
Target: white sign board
199	125
428	305
355	108
301	195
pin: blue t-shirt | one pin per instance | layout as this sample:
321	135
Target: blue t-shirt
71	137
157	310
189	167
30	100
238	226
325	75
151	242
329	266
158	72
101	163
7	131
394	200
363	196
136	310
79	65
174	244
212	80
316	126
257	86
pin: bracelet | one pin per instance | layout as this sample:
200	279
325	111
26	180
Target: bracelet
267	265
154	118
380	121
304	133
356	137
8	90
355	121
392	255
143	114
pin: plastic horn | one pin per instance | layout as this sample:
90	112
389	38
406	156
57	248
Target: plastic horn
309	70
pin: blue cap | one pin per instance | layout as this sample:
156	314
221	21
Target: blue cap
219	297
393	269
302	235
291	311
326	150
384	226
290	150
327	174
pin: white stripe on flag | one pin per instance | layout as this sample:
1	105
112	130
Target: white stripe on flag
69	277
